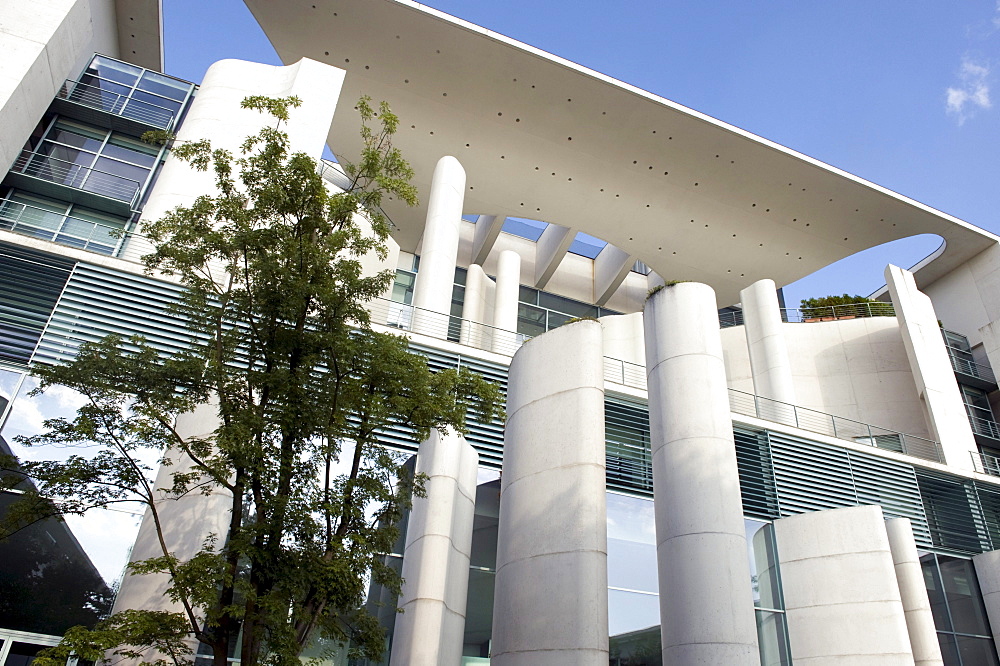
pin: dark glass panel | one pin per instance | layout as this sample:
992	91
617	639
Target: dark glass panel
962	591
976	651
935	592
949	651
530	320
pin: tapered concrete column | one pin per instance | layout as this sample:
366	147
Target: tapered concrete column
439	248
988	573
706	602
435	573
474	333
842	603
913	593
932	371
551	603
186	522
505	305
769	362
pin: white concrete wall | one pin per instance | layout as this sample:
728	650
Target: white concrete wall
45	42
185	522
736	357
551	600
706	604
842	603
931	367
988	573
968	297
430	629
215	114
624	338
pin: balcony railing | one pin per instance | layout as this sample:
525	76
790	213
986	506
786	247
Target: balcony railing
117	104
972	369
633	375
820	313
77	176
63	229
445	327
985	463
833	426
984	427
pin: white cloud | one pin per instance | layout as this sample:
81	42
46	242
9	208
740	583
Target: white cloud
972	92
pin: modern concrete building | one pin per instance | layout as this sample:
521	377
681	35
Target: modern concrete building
703	477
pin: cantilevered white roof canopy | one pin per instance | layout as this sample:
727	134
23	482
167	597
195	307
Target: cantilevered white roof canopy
541	137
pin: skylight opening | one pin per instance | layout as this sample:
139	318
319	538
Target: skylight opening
586	245
524	228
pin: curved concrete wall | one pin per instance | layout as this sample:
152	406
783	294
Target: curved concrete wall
215	114
186	522
842	603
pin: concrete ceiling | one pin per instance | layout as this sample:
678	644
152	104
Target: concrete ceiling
140	32
543	138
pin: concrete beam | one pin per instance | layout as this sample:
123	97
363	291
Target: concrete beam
488	229
549	252
611	267
931	368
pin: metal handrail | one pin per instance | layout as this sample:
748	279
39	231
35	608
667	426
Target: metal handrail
77	176
839	427
835	312
72	231
985	463
445	327
634	375
985	427
819	313
117	104
972	369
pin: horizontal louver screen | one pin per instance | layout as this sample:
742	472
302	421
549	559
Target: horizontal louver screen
953	513
626	428
753	458
30	288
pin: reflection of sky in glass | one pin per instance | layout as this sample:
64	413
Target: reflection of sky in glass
630	611
106	535
631	544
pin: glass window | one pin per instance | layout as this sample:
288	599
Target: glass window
566	305
976	651
113	70
164	86
763	564
531	321
402	288
961	588
772	637
631	544
22	654
935	592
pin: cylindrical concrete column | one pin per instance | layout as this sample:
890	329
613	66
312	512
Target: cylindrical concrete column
551	600
473	308
185	521
505	304
769	362
435	573
913	592
706	602
439	249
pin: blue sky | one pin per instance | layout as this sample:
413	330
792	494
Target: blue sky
899	93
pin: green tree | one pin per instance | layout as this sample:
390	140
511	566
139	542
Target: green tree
281	342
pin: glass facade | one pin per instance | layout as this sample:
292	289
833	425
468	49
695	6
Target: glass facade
959	614
129	91
539	311
61	222
89	158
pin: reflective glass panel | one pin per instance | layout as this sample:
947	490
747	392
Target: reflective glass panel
763	564
106	68
530	320
631	543
630	612
962	591
164	85
773	639
976	651
949	651
935	592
